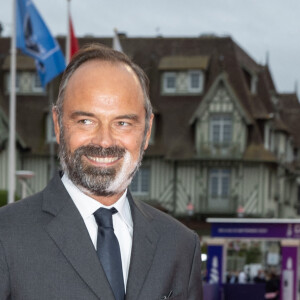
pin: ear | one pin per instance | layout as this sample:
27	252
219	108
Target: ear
148	134
56	123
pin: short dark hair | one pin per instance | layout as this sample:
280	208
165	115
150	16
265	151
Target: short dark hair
100	52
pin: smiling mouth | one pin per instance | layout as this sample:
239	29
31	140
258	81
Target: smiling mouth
103	160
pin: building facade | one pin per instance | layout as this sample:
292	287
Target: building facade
223	138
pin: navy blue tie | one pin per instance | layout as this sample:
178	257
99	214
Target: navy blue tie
108	251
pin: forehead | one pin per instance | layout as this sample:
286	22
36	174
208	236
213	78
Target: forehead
108	80
104	72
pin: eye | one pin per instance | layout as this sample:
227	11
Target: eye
123	123
85	122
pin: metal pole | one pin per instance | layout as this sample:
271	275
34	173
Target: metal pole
68	38
12	114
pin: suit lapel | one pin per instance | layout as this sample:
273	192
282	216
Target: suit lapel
143	249
68	231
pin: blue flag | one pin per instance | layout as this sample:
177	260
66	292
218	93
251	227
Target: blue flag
34	39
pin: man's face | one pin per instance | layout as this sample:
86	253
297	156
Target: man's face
102	137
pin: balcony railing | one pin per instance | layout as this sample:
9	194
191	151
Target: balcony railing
227	151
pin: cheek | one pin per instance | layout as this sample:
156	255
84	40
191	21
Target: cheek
133	145
74	139
77	141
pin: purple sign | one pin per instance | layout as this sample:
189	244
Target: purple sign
256	230
289	274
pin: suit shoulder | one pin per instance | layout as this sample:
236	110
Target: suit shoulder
166	223
15	212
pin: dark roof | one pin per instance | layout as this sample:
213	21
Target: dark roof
259	153
288	102
290	113
174	134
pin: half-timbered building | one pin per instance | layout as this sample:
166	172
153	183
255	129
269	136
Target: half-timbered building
223	138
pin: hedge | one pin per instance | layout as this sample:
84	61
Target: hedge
3	197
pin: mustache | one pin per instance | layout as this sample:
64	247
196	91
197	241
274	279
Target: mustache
91	150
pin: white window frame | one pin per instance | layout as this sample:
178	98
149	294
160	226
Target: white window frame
198	89
167	75
139	177
224	120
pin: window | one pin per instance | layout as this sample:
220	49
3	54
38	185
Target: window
36	83
254	81
141	182
8	82
27	82
267	136
183	82
169	82
195	81
219	184
221	129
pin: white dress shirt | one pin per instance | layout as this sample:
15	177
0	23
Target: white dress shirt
122	220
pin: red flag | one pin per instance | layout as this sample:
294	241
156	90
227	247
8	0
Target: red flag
74	46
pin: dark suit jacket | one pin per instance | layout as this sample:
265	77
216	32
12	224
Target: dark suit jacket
46	253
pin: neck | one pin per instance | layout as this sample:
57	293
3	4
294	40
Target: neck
107	200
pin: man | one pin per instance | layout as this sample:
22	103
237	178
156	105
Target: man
84	237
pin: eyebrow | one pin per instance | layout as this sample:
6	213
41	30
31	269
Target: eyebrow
129	117
80	113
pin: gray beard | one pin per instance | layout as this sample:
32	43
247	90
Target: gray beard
95	180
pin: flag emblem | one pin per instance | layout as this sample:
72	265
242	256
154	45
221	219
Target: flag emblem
34	39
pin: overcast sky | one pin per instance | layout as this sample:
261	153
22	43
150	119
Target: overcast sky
258	26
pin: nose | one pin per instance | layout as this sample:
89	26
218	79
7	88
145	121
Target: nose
103	137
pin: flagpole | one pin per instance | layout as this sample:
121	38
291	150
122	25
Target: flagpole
12	113
116	41
68	37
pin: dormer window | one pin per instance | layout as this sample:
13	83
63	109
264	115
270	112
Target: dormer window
251	80
27	82
254	80
183	82
27	79
183	75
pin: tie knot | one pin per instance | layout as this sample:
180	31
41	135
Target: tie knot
103	216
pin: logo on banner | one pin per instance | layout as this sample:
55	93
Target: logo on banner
30	39
214	273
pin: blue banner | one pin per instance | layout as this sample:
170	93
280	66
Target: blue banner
34	39
215	264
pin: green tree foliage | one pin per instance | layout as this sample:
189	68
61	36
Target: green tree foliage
3	197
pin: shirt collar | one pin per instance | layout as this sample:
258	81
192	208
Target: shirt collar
87	205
